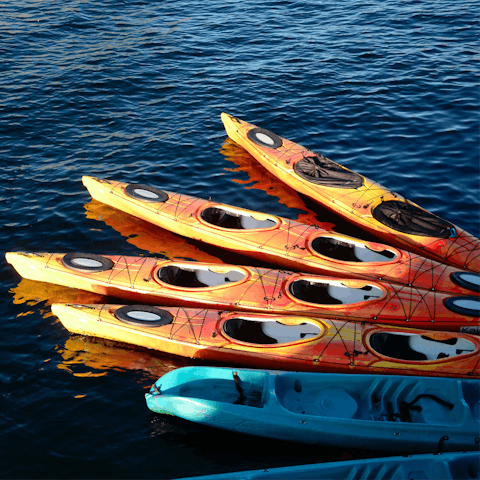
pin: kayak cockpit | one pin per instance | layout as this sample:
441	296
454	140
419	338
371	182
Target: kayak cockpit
349	251
331	292
189	276
322	171
236	220
268	332
417	347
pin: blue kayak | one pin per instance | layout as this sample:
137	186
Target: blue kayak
385	412
446	466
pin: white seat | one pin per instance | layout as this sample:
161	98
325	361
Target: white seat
212	279
364	254
432	349
290	333
249	223
348	295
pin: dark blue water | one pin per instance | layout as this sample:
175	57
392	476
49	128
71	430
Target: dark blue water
133	91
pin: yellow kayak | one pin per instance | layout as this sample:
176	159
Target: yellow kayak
386	214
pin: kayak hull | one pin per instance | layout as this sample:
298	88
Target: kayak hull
278	342
394	413
454	465
358	199
231	287
281	241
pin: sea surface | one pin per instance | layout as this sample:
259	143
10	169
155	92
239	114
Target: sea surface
133	91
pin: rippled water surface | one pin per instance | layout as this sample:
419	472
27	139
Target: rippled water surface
133	91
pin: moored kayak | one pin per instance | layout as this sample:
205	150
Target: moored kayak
278	341
395	413
280	241
361	201
231	287
445	466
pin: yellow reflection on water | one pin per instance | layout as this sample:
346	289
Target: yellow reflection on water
85	356
146	236
264	180
92	357
31	293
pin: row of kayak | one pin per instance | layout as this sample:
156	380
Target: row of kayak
395	413
408	309
350	305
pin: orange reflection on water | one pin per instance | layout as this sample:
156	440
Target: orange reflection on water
88	356
32	293
146	236
91	357
267	182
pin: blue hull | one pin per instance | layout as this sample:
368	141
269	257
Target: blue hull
447	466
385	412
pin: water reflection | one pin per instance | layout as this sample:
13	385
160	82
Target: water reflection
93	357
264	180
32	293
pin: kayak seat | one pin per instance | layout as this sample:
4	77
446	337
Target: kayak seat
312	292
247	331
434	349
364	254
213	279
328	294
225	219
221	218
180	277
395	346
249	222
332	402
418	347
336	249
290	333
349	252
347	295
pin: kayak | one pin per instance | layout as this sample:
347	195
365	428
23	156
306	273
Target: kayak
445	466
278	240
278	341
395	413
232	287
361	201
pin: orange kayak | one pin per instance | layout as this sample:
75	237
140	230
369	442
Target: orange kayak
371	206
287	343
231	287
281	241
